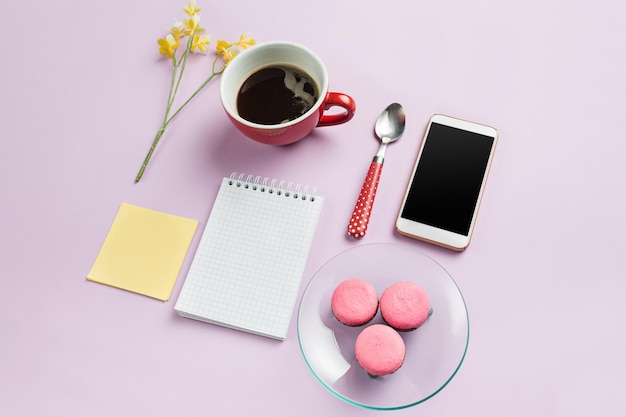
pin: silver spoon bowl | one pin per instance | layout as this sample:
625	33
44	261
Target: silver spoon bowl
389	128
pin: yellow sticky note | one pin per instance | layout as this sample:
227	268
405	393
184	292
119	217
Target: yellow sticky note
143	251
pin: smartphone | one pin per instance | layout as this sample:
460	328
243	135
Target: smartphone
443	195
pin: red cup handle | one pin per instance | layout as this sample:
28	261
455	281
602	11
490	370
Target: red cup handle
338	100
363	207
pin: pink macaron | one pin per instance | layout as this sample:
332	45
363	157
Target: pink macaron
354	302
404	306
379	350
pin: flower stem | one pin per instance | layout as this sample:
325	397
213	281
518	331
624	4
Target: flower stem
182	64
195	93
150	152
167	118
173	89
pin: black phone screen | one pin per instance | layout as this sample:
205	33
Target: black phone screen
447	182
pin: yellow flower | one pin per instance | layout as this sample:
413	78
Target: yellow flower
168	45
228	51
223	48
192	25
178	30
191	8
244	41
200	43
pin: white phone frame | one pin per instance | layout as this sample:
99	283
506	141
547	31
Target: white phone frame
434	235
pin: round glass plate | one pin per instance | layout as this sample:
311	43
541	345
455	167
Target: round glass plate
434	351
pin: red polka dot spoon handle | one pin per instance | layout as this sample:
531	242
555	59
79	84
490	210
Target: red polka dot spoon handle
363	207
389	128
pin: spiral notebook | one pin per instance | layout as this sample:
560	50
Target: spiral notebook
248	267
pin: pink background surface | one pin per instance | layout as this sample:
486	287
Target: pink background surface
82	91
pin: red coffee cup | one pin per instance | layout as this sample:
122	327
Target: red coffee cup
287	54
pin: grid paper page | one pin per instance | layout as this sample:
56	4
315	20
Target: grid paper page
249	264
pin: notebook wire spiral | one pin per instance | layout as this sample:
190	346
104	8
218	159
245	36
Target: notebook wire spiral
272	185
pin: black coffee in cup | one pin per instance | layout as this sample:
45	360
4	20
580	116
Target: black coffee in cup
276	94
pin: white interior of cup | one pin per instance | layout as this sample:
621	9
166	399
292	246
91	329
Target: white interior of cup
267	54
